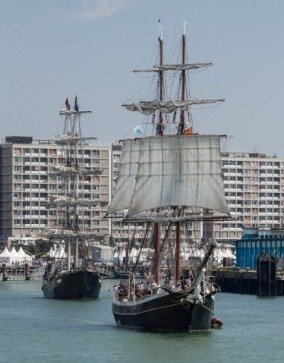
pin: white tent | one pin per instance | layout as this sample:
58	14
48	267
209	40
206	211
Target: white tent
5	256
14	256
21	252
14	253
23	256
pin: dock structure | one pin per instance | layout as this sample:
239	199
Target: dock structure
20	273
256	242
267	275
259	266
253	282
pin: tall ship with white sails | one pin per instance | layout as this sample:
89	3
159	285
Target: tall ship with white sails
74	277
166	180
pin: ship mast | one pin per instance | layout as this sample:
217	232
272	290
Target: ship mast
70	202
76	133
181	125
159	132
158	107
181	128
160	124
73	134
182	104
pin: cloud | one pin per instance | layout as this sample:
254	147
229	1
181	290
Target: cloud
92	9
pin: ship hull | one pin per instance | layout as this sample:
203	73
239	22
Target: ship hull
73	285
169	312
122	275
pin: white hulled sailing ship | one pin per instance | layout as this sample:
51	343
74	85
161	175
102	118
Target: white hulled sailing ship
75	277
167	180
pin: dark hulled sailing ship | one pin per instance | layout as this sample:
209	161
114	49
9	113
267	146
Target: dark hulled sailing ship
168	180
75	277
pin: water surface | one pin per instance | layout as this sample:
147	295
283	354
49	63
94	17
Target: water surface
34	329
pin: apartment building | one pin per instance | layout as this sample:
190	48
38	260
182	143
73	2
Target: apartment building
26	186
254	188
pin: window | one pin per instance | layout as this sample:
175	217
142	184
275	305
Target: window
17	169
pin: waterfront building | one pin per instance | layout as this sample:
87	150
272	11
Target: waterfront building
26	186
257	241
254	188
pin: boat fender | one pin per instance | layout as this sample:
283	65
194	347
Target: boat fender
216	323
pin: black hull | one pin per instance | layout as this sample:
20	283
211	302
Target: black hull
73	285
169	312
122	275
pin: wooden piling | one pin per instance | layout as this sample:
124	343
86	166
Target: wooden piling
266	275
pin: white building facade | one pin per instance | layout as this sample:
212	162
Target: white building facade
26	186
254	188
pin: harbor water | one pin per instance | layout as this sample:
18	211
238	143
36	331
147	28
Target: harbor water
34	329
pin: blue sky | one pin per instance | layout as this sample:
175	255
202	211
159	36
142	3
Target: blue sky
53	48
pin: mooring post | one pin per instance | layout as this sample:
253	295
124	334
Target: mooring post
4	272
27	271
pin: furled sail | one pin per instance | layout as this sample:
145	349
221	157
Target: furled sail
150	107
174	67
170	171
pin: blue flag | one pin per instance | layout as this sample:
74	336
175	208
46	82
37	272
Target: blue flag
67	104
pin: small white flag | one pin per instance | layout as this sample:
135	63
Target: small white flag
138	130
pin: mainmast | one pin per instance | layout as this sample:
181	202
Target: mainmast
181	128
159	132
181	125
160	124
